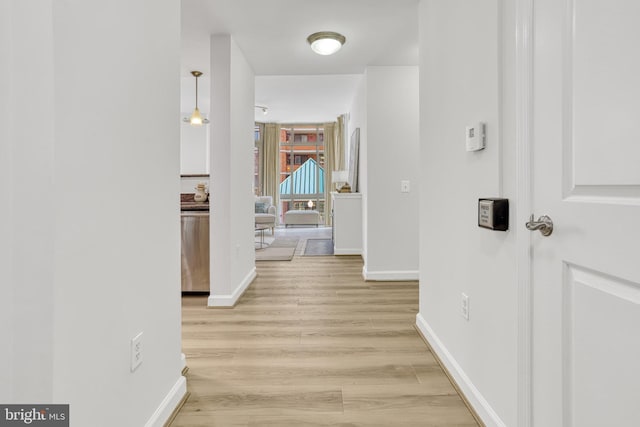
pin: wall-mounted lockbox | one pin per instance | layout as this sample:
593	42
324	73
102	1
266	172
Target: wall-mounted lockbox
493	213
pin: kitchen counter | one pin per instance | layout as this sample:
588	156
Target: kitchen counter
188	204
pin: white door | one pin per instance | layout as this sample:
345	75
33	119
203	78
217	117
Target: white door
586	178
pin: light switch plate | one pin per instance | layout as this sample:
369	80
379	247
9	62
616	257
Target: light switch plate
136	351
405	186
464	308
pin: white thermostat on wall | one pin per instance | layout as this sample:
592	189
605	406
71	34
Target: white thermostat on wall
475	137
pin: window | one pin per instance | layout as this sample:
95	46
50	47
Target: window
302	168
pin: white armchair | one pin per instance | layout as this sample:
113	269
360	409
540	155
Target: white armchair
265	212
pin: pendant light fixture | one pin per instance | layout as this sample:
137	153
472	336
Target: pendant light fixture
196	118
326	42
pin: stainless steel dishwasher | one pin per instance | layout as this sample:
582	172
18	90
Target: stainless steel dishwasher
195	251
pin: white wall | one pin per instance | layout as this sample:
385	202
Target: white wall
462	65
188	183
6	206
390	155
194	148
96	261
232	140
31	146
195	153
385	108
358	119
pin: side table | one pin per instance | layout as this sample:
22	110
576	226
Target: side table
260	228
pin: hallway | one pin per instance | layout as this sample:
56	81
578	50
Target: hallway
311	343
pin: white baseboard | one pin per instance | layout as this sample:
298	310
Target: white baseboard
231	300
169	404
389	276
347	251
471	393
183	360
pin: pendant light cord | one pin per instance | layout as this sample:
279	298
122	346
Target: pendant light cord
196	92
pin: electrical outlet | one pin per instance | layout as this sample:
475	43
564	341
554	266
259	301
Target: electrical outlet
405	186
136	351
464	308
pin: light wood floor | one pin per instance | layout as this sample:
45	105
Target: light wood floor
311	344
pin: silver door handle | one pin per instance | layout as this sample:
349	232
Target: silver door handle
544	224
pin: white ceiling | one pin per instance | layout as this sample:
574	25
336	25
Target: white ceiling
296	84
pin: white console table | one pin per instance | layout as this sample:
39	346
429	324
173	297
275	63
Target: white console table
347	223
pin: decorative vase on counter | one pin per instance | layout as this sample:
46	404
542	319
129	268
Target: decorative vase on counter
201	193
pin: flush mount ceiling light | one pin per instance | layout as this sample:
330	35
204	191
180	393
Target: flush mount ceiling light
326	42
196	118
264	109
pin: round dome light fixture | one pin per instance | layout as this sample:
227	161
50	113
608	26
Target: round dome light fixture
326	42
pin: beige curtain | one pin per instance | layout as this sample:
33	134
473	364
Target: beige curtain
270	165
340	154
329	166
334	156
260	145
